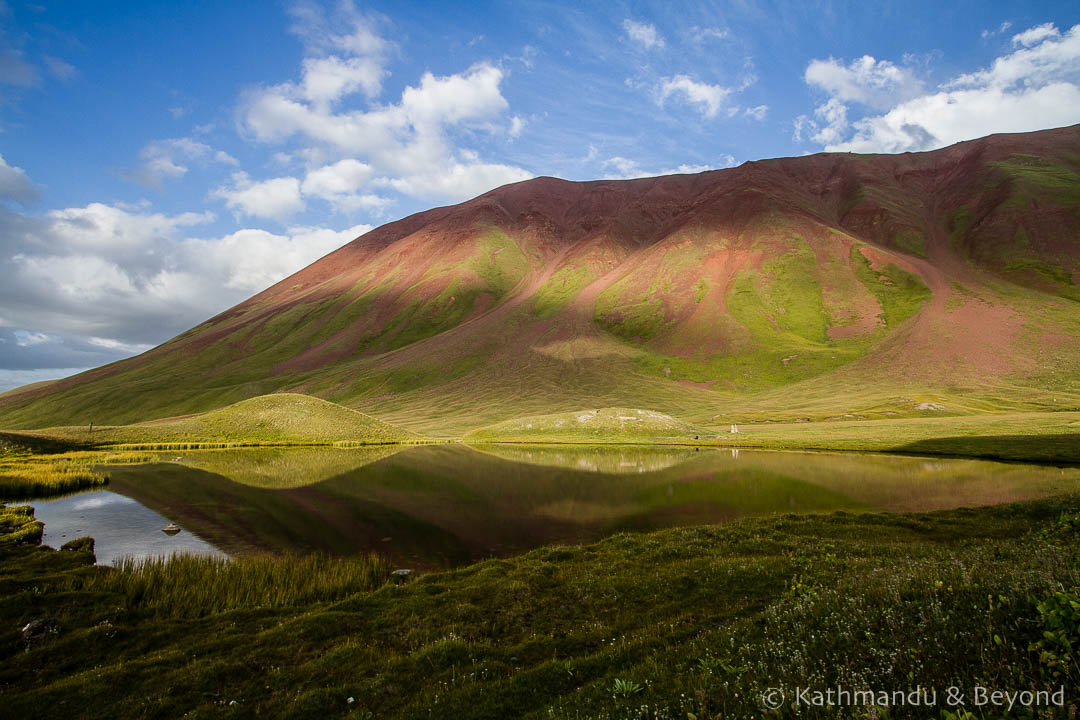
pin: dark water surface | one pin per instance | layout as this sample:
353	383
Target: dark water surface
446	505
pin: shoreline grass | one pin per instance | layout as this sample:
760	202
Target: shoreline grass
691	622
191	586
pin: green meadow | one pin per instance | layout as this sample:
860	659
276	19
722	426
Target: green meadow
696	622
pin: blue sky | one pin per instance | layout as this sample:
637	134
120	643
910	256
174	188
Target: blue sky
163	161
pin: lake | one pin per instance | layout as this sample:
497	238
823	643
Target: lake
442	506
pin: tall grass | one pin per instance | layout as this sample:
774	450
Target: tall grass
184	585
24	481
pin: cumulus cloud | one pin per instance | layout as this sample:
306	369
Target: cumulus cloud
876	83
644	34
276	198
1035	86
169	159
407	143
340	184
15	185
710	99
87	285
1035	35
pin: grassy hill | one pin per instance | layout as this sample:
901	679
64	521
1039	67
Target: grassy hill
812	287
280	419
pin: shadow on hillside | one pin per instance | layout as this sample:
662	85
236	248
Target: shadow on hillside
1064	448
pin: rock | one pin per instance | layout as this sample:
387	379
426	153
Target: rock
36	630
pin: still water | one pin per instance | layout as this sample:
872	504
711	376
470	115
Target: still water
446	505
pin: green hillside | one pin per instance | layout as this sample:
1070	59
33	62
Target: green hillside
807	288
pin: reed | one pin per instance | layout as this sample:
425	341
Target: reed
42	479
185	585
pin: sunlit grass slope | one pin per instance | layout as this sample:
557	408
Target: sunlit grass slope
607	425
285	418
1037	437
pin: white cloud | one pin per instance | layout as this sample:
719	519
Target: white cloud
277	198
460	180
1034	87
987	34
711	99
877	83
406	143
1035	35
15	184
114	232
517	124
112	344
326	80
643	33
340	183
702	34
140	274
251	260
168	159
758	112
346	30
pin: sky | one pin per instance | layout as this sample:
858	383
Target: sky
162	161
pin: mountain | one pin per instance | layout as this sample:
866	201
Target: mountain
829	285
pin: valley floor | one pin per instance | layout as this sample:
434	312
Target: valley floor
701	622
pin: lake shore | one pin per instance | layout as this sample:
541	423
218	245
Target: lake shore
697	621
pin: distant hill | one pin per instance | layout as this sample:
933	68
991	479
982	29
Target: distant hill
284	418
830	285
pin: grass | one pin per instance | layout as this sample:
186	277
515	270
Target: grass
1029	437
606	425
279	419
18	526
198	585
900	293
561	289
690	623
1024	437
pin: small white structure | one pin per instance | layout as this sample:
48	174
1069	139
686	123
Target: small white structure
734	429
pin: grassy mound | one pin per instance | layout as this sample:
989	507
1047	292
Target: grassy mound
694	622
279	419
281	468
608	425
